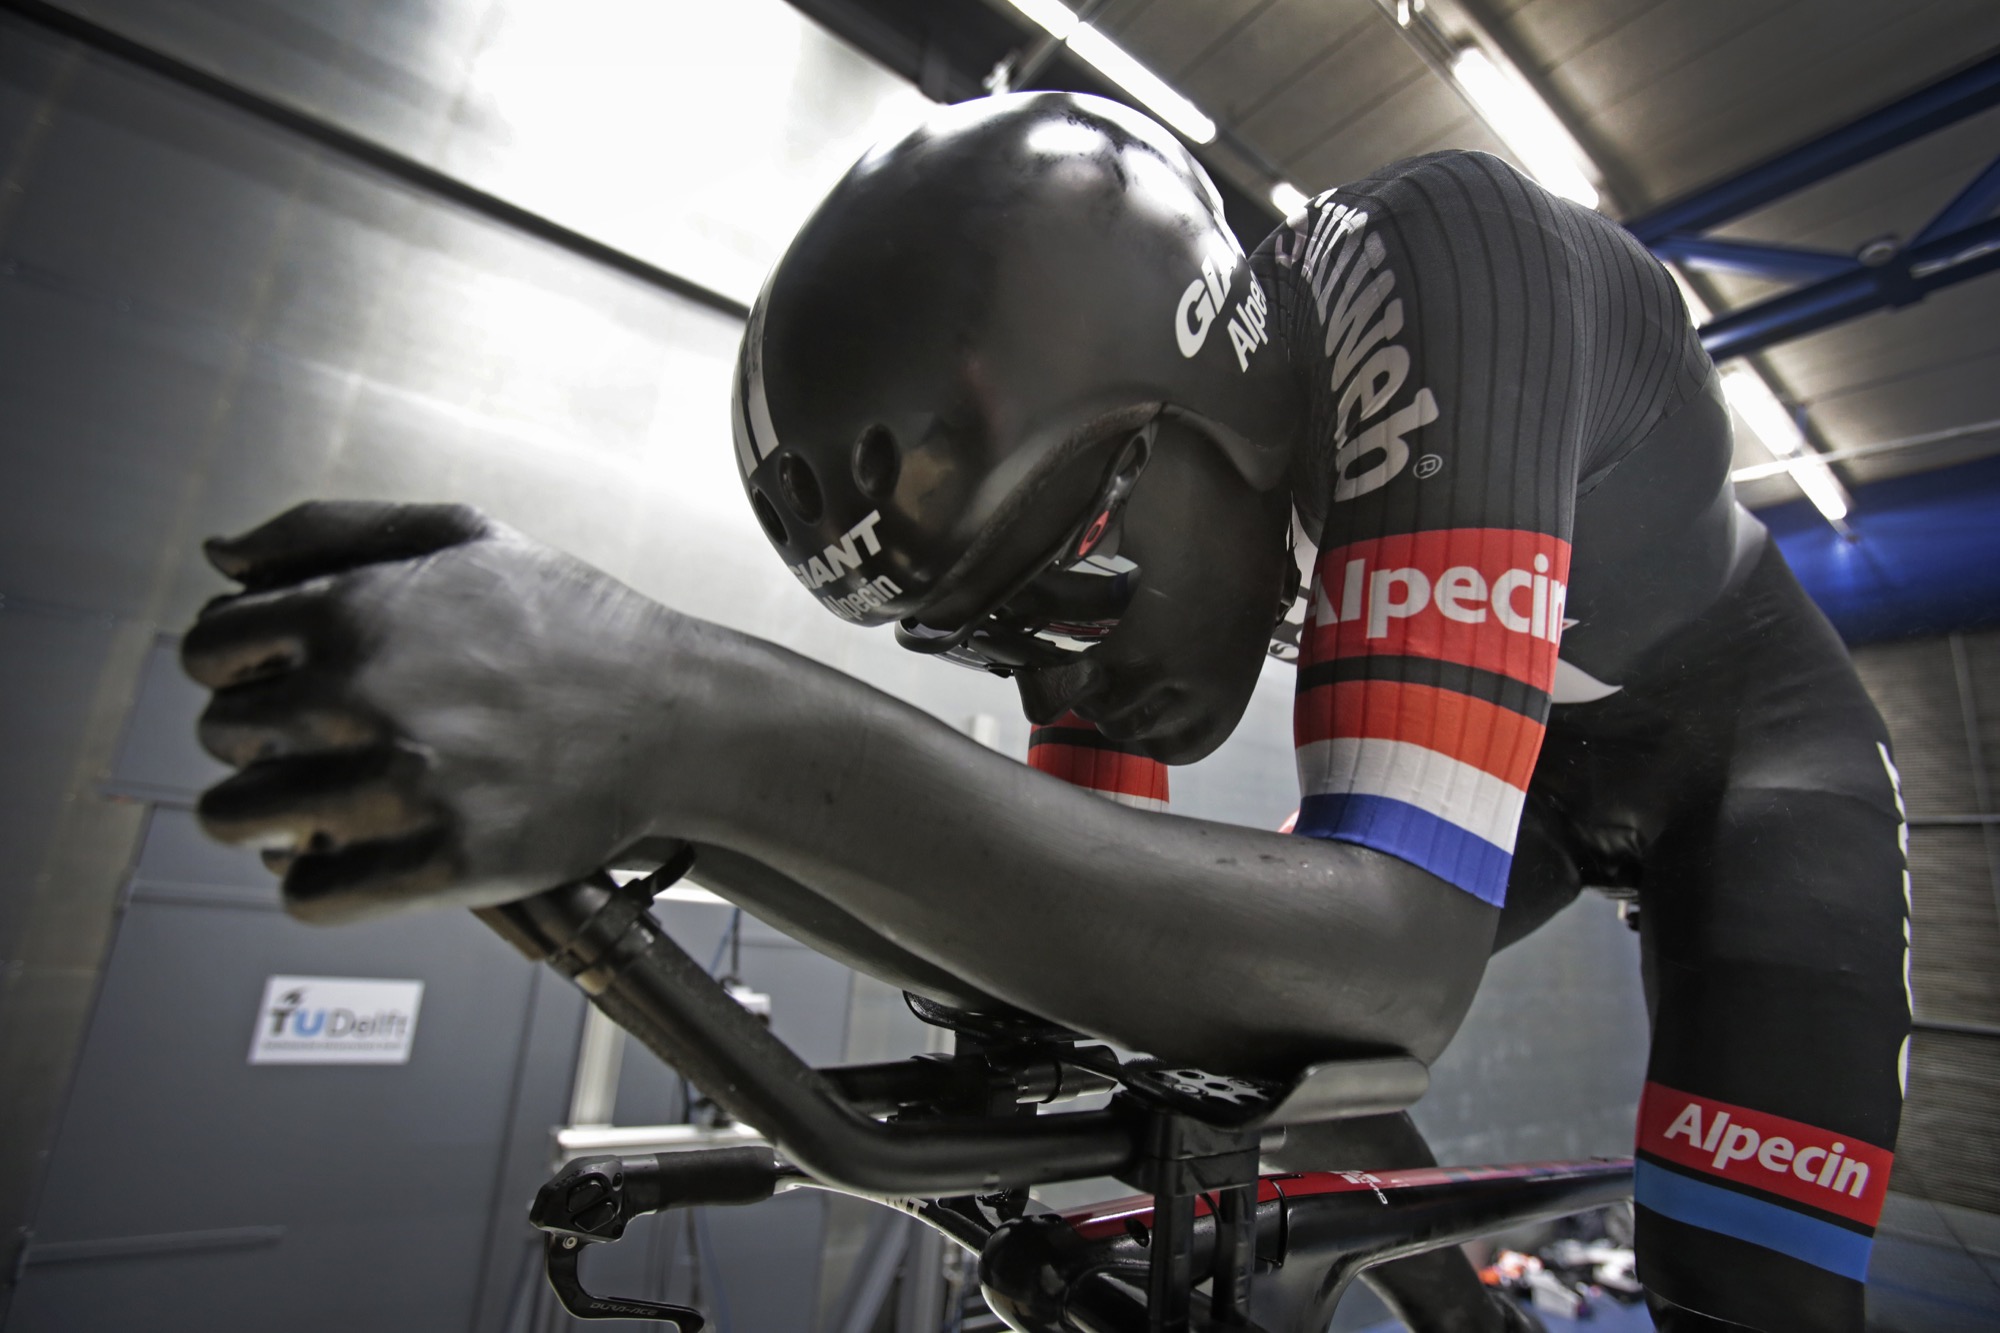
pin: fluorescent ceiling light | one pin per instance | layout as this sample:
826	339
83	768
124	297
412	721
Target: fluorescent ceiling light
1117	64
1054	16
1816	479
1112	61
1288	198
1752	397
1757	405
1750	394
1524	123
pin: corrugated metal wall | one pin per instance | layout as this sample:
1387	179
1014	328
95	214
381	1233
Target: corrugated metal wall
1941	699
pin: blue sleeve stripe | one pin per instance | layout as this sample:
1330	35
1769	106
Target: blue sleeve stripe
1414	835
1821	1244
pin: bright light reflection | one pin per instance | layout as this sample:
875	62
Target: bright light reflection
1752	397
1753	400
1816	479
1054	17
1117	64
1288	198
1525	124
1112	61
1064	138
696	137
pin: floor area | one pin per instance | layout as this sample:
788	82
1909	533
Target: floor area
1936	1269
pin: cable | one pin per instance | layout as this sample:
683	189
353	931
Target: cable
731	943
706	1252
731	935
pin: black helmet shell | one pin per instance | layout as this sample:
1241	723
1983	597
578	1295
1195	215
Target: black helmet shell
974	309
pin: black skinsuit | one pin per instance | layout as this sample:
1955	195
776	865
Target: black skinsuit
1506	389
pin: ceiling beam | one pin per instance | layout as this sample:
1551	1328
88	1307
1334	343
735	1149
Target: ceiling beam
1905	278
1930	108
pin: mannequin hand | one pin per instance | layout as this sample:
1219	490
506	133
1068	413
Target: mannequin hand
425	707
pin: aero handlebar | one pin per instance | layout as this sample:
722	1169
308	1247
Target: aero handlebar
601	936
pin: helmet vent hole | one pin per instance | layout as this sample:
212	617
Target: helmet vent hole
1132	458
767	517
876	462
801	488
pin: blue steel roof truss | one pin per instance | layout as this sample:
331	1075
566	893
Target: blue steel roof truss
1961	242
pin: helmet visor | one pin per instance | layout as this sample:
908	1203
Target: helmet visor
1059	614
1066	606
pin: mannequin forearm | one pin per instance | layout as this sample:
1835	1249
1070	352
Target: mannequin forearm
807	916
1206	942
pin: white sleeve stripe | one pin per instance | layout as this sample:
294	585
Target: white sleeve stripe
1474	800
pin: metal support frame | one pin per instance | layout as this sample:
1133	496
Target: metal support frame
1961	242
1943	103
1901	279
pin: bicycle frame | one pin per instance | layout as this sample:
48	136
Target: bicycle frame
956	1142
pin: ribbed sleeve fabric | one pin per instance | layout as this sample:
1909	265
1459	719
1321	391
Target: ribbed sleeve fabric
1475	352
1075	751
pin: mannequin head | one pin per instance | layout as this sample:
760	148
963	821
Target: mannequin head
1015	388
1177	671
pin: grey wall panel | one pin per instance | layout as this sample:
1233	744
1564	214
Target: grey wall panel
101	427
1982	659
381	1176
1916	690
1253	778
158	757
50	661
1954	930
511	1273
387	67
1936	1269
126	273
178	863
1550	1060
1941	701
695	135
774	1259
1948	1149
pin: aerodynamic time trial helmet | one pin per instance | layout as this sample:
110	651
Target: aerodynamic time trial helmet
985	320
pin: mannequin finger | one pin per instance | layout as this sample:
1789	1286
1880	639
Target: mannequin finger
319	802
369	879
296	713
329	536
256	635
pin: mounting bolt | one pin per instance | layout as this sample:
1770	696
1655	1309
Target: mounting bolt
569	1242
1879	251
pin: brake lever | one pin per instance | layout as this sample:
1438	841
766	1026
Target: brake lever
561	1262
591	1199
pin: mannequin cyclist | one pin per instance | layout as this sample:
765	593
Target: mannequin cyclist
1015	386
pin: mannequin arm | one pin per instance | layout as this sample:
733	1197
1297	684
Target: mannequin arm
1225	946
806	916
428	708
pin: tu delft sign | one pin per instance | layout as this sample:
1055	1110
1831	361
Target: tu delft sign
335	1021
